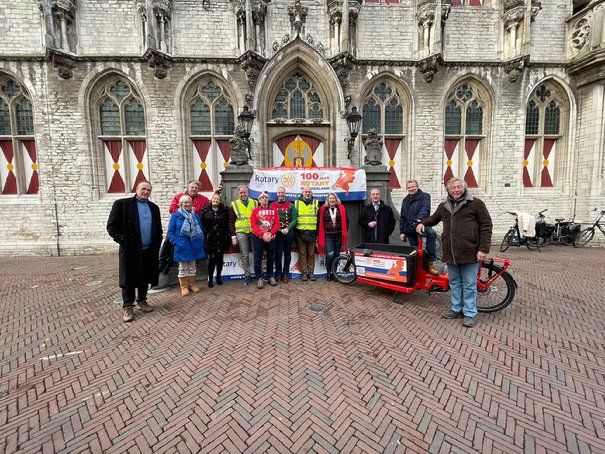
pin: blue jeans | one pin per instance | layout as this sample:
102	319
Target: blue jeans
259	246
463	285
333	246
283	247
431	242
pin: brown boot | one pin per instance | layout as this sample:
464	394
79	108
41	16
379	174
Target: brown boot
192	286
184	281
431	269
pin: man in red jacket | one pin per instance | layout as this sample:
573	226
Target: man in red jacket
199	201
264	222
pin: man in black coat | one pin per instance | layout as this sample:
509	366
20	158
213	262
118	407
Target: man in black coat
377	220
135	224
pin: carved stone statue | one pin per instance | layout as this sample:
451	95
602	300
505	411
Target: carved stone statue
373	149
240	147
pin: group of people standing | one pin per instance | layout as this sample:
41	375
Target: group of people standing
200	228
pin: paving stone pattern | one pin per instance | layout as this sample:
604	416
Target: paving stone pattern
236	369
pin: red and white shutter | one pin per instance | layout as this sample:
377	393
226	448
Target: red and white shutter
452	157
114	166
548	161
472	148
30	165
529	159
7	168
202	165
392	150
139	162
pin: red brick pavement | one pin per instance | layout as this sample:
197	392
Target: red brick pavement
236	369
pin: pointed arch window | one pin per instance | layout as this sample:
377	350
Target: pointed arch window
297	99
121	134
211	125
18	155
464	116
544	136
385	110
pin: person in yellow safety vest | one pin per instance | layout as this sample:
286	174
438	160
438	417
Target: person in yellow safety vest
306	232
240	230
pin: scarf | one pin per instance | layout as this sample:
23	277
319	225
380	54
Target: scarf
191	227
321	241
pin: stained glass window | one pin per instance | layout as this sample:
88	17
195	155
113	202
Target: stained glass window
211	91
110	118
11	89
464	130
297	99
212	111
297	105
474	119
122	138
393	117
18	145
552	119
200	119
5	119
370	116
383	110
224	118
25	118
134	118
544	135
120	90
453	119
532	120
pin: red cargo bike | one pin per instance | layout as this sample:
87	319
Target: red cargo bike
400	268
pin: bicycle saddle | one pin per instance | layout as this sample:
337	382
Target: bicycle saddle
559	220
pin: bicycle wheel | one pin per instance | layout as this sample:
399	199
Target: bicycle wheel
499	294
343	269
584	237
533	243
507	240
438	250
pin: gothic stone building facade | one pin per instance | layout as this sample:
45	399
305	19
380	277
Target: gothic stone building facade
96	95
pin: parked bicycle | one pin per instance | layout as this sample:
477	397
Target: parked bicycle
544	230
587	235
514	237
562	231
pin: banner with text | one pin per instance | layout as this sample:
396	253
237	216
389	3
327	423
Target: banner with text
349	184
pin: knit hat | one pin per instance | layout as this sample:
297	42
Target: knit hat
263	194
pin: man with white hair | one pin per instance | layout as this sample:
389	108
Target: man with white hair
467	234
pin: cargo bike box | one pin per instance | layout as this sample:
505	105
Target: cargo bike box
391	264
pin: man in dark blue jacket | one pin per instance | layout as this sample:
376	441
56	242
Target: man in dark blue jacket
417	205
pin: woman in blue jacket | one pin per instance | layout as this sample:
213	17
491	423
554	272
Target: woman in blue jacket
186	234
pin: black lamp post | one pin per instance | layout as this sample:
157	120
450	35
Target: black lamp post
245	120
353	121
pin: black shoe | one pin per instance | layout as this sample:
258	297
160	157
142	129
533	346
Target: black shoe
451	314
469	322
304	277
210	283
219	281
328	278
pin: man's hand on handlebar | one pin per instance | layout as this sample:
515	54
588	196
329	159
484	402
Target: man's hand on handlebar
420	227
402	237
481	256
